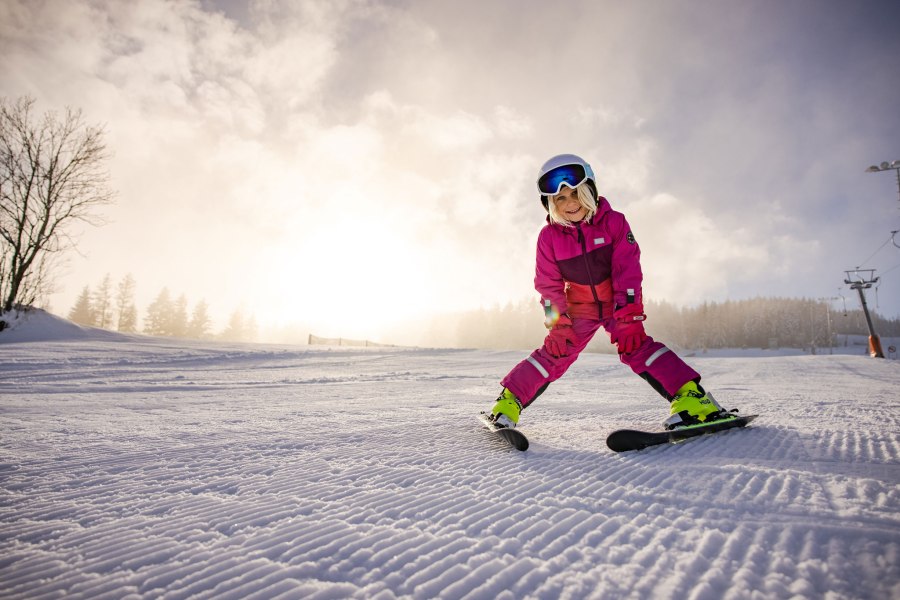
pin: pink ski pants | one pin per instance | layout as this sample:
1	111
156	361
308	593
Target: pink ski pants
653	361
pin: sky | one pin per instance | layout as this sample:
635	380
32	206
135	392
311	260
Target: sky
363	165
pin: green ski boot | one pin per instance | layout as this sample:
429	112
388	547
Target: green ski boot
506	411
692	405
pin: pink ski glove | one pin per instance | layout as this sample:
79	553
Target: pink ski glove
559	337
629	332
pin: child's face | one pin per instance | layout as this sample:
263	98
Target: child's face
567	204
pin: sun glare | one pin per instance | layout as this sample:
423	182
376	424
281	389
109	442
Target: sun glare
341	281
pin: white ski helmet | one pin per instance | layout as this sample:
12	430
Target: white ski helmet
563	169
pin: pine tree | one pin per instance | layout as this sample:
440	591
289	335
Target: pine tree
251	329
102	303
178	323
241	328
83	311
159	315
125	306
234	332
128	319
199	325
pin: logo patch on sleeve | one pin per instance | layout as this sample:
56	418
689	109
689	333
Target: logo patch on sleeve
630	237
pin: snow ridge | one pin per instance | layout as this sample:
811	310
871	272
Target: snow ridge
140	469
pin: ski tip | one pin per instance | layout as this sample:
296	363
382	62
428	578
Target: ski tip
514	437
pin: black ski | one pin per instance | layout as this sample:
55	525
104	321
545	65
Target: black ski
515	437
624	440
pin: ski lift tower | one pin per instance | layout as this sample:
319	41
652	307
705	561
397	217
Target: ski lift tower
887	166
861	283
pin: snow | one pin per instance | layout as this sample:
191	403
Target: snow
133	467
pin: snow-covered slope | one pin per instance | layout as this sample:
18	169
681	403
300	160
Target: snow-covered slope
134	468
36	325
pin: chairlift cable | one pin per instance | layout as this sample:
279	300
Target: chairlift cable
883	273
889	240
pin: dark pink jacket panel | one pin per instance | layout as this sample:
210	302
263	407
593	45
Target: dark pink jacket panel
601	253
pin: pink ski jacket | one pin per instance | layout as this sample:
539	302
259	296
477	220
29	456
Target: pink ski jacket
588	269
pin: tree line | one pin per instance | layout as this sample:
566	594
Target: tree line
112	306
762	323
754	323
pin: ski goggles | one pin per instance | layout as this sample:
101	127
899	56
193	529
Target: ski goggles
552	181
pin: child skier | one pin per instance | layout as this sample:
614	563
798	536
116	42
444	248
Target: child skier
588	274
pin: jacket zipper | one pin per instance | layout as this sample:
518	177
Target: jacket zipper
587	265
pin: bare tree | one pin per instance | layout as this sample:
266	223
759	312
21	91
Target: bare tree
51	176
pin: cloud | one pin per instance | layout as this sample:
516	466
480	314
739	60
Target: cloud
605	116
686	257
512	123
628	170
457	130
